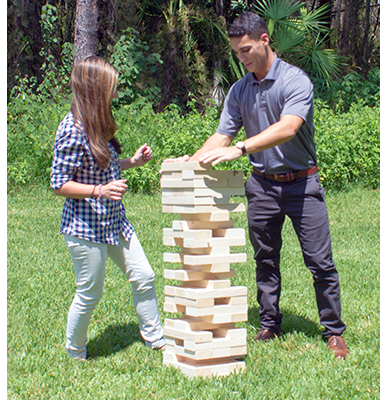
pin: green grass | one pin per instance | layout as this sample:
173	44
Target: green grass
298	365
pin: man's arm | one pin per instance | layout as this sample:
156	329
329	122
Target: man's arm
213	142
276	134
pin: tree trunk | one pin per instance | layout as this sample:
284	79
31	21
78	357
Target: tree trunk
86	29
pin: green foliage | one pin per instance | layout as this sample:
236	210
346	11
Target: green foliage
352	88
136	67
32	124
348	146
168	133
298	36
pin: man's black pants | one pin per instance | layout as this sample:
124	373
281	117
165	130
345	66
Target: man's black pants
303	201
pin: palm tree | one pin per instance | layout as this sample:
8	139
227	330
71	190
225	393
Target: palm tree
300	36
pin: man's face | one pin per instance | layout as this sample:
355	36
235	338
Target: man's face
253	54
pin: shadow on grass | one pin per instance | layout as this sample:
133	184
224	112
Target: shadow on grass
113	339
291	322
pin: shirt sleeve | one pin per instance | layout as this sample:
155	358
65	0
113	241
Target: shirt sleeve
299	96
230	121
68	155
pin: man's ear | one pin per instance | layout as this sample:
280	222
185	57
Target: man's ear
265	38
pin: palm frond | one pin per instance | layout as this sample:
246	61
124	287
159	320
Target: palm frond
313	21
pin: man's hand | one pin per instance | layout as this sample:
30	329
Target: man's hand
184	158
220	154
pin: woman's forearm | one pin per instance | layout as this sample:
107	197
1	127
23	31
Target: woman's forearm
76	190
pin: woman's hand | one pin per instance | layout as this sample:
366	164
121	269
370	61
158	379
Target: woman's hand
114	190
142	155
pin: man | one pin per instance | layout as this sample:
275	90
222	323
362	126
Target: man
274	103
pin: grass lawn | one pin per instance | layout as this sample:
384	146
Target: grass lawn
297	365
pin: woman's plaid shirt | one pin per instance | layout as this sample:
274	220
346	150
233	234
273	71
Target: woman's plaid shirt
90	219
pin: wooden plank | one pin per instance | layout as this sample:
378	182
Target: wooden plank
186	275
225	250
213	242
208	353
196	324
226	318
188	165
201	293
173	308
237	233
189	225
198	303
204	259
215	192
211	259
190	234
216	310
166	183
215	343
210	284
218	267
231	207
187	200
195	336
219	369
215	215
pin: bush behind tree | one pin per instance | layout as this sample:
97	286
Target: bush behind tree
347	142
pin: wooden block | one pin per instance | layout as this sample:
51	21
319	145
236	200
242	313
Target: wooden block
230	333
201	293
185	275
213	242
167	183
199	303
188	165
186	200
173	308
226	318
215	192
195	336
215	344
210	284
171	241
196	324
212	259
188	225
220	267
222	368
231	207
237	233
190	234
217	251
204	259
215	215
216	310
207	353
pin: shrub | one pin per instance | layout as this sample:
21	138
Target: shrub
347	143
348	147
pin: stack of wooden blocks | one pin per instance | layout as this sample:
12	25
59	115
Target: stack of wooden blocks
205	340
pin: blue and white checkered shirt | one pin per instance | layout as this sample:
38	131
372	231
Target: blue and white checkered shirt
90	219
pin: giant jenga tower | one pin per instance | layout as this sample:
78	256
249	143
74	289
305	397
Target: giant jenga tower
205	340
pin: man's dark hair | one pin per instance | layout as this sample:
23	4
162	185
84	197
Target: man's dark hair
248	23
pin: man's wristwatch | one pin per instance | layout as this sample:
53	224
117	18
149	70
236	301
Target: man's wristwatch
241	146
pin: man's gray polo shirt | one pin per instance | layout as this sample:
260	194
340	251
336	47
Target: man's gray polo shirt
256	105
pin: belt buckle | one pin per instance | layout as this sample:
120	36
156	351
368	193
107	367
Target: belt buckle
287	177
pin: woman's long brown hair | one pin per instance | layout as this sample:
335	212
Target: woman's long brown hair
94	83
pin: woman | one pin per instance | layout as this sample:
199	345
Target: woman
87	171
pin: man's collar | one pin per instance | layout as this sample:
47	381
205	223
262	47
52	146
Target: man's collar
272	74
